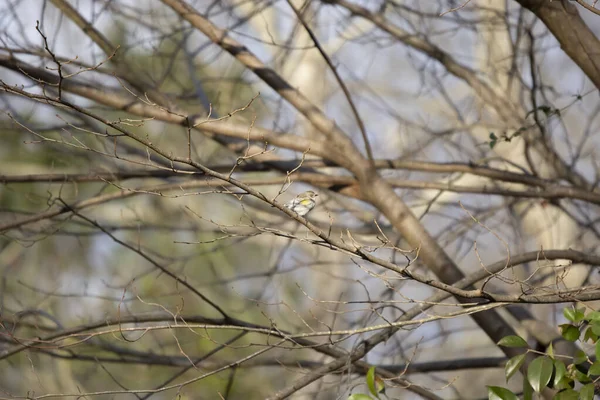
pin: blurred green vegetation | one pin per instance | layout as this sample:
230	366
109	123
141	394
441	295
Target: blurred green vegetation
72	273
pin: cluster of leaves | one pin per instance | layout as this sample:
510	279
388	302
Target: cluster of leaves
573	377
573	381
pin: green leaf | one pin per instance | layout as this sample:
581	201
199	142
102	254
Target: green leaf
593	316
492	144
512	341
540	372
594	369
573	314
527	390
590	335
595	327
570	332
500	393
568	394
580	357
564	383
375	384
597	350
513	365
587	392
493	136
559	372
360	396
371	381
569	313
580	376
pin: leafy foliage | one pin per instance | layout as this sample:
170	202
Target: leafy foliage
573	377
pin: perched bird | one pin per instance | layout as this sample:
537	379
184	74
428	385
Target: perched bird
303	203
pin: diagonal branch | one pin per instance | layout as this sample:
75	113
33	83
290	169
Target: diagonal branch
576	39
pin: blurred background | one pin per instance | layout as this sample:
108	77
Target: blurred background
129	273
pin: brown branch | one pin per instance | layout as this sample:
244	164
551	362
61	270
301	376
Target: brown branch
588	7
455	8
576	39
151	358
119	101
287	165
550	191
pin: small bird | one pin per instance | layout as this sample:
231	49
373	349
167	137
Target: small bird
303	203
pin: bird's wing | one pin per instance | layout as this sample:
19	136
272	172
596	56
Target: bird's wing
291	203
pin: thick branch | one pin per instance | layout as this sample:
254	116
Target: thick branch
575	37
